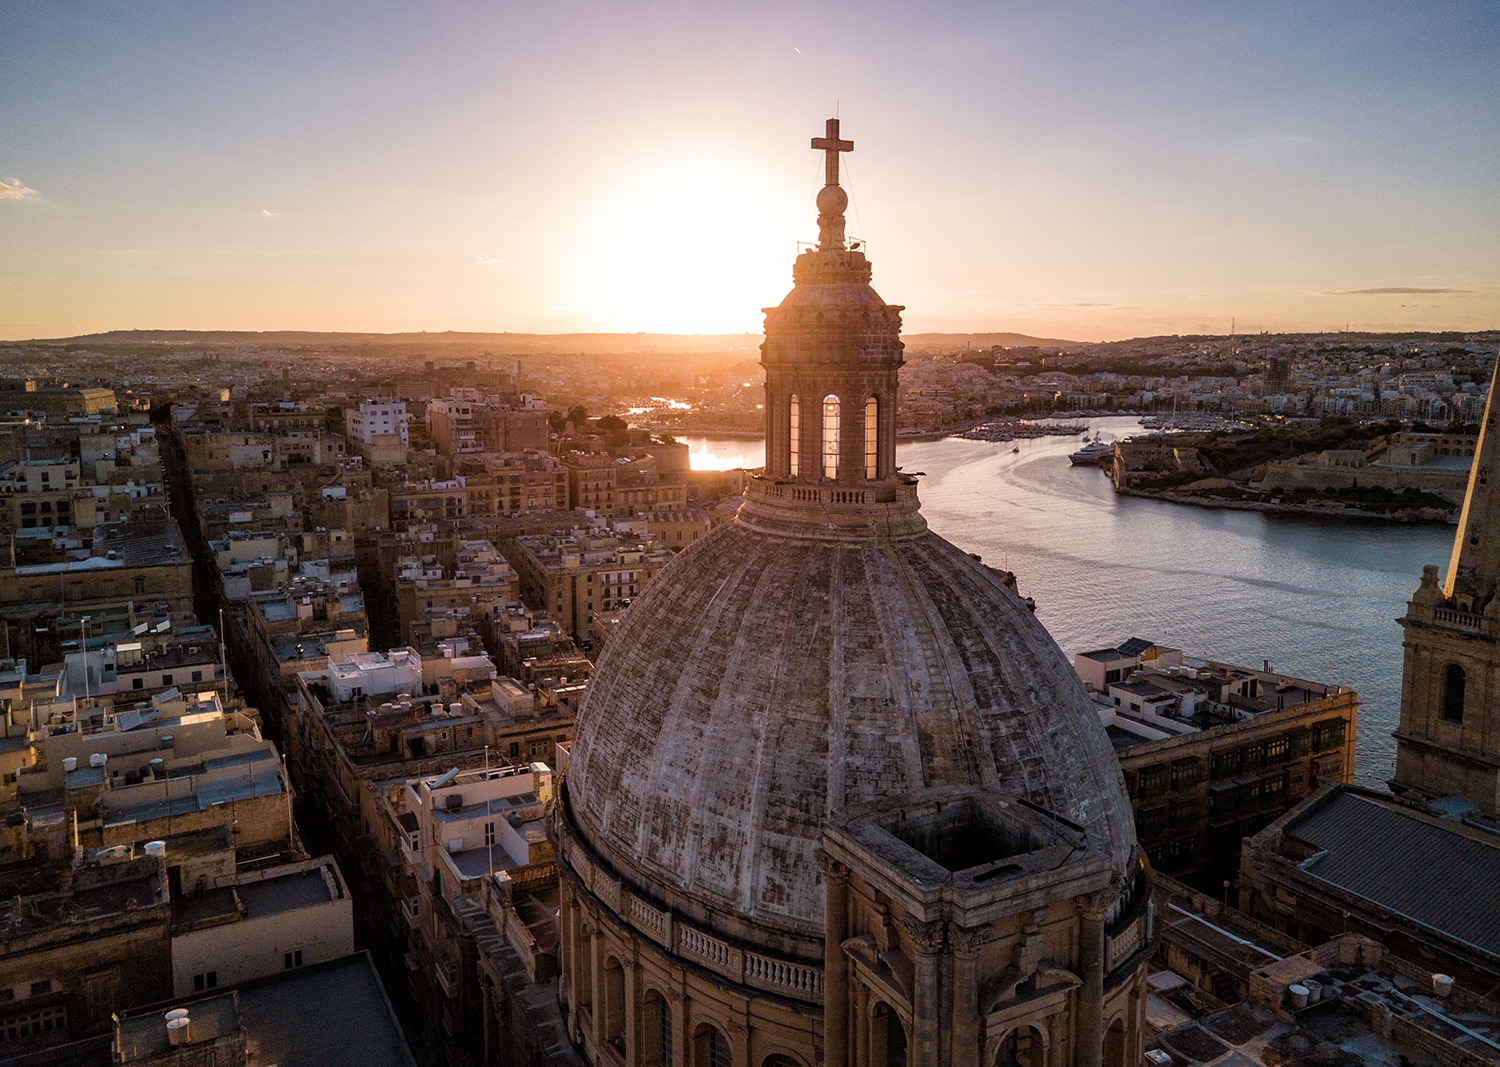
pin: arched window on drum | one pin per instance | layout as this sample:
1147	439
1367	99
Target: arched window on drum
872	437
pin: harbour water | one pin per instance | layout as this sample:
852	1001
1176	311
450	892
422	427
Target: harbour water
1318	598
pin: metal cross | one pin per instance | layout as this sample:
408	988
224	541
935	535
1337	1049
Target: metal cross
832	146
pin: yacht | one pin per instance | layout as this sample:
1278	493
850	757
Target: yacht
1092	454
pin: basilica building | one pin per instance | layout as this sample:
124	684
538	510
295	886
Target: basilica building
836	796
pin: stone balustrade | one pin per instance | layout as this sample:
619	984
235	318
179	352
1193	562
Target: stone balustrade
783	977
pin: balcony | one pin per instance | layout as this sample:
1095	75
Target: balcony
447	978
411	910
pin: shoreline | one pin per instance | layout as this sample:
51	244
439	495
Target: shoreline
1282	509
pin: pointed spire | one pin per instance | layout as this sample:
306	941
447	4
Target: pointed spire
1474	568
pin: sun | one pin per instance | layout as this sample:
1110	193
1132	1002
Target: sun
688	247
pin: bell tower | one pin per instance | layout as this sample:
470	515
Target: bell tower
831	355
1448	738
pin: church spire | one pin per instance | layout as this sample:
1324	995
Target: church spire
1474	567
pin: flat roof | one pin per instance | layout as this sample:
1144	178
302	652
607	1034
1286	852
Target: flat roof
1427	869
290	1024
274	896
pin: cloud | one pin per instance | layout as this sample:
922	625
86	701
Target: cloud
267	213
1391	290
487	261
16	189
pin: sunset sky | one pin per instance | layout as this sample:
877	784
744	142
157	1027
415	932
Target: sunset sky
1088	171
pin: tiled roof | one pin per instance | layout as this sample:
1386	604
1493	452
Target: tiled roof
1433	872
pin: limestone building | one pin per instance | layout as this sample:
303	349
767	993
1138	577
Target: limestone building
836	796
1448	737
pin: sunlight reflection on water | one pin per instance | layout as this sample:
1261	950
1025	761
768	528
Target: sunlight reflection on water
1318	598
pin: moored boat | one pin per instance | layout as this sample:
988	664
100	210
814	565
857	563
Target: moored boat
1093	454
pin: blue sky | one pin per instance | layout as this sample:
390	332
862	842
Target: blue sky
1075	170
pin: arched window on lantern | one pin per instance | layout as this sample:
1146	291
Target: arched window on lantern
830	436
794	429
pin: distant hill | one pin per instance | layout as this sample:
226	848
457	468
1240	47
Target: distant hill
948	342
456	342
448	342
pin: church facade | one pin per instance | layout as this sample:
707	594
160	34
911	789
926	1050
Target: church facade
836	797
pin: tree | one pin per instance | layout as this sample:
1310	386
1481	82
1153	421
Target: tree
612	423
578	415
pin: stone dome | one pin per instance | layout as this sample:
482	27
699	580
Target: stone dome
773	673
823	649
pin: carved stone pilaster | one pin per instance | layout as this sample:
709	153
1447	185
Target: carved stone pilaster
926	937
834	872
967	943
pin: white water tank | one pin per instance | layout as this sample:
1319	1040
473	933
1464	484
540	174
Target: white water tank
1442	984
455	710
70	764
157	849
177	1031
98	759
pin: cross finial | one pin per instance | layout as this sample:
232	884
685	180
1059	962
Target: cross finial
831	146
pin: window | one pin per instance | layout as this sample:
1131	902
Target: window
197	676
1150	822
1330	768
1184	773
830	439
100	991
1152	781
658	1031
1276	751
1252	756
290	961
1184	813
137	683
46	1021
794	427
140	585
1330	734
614	1004
515	749
711	1049
1226	764
42	988
489	834
872	441
1453	693
166	679
1184	848
206	980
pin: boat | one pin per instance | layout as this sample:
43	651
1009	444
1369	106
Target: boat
1092	454
1013	451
